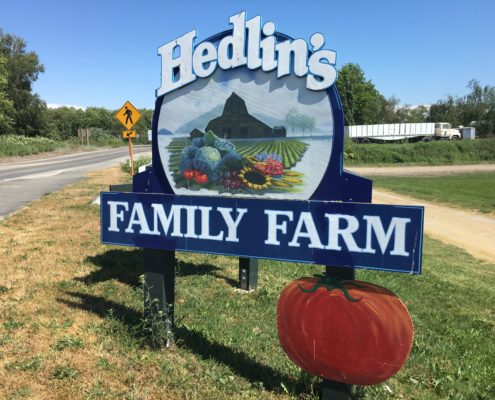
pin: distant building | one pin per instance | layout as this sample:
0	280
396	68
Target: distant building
236	123
279	131
196	133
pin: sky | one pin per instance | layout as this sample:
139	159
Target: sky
102	53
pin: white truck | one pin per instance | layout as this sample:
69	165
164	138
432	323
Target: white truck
403	132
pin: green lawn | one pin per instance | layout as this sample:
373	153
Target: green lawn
228	345
473	191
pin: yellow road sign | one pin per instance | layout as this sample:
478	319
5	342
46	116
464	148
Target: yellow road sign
128	115
129	134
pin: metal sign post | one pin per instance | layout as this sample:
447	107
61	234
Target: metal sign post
128	115
84	133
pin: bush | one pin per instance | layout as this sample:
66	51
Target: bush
16	145
103	137
426	153
139	162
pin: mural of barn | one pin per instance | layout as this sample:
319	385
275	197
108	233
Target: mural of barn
236	122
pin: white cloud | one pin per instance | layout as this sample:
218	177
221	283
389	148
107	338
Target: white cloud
53	106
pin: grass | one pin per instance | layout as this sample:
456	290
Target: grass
474	191
438	152
70	291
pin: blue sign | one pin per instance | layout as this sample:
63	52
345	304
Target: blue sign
252	113
358	235
248	151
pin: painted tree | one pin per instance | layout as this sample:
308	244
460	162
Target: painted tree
292	118
307	123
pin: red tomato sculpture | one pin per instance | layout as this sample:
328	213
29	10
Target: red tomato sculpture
346	331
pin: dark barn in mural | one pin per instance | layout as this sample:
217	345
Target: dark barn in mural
236	122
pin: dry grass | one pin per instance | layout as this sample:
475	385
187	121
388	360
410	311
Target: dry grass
44	342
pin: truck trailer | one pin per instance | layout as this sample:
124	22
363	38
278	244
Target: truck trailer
425	131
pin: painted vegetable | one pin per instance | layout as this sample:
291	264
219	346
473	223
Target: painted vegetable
188	174
347	331
208	155
200	177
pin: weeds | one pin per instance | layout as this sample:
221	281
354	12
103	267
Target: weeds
68	342
139	162
61	372
32	364
16	145
12	324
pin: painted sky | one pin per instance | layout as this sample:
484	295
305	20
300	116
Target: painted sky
266	97
101	53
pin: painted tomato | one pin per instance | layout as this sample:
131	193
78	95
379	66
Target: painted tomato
200	177
189	174
344	330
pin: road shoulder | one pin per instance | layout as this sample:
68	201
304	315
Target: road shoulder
469	230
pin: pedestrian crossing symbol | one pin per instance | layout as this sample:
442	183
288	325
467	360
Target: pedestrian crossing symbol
128	115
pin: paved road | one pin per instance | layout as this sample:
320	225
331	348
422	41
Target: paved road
28	180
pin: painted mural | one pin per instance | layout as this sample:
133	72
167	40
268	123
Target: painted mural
245	133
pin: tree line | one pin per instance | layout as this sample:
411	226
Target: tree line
363	105
23	112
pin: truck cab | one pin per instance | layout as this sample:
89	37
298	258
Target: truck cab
443	130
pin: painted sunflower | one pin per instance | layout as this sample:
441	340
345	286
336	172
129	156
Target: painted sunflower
254	179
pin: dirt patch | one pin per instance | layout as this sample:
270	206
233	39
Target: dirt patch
469	230
422	170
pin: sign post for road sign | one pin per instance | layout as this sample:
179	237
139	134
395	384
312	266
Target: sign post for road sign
128	115
84	133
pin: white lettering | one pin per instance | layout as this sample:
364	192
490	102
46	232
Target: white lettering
184	45
204	59
231	224
306	222
205	225
254	36
116	216
231	48
374	224
267	45
138	218
274	227
335	232
191	221
182	63
165	220
322	72
285	50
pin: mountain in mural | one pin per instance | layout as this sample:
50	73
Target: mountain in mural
201	121
236	122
